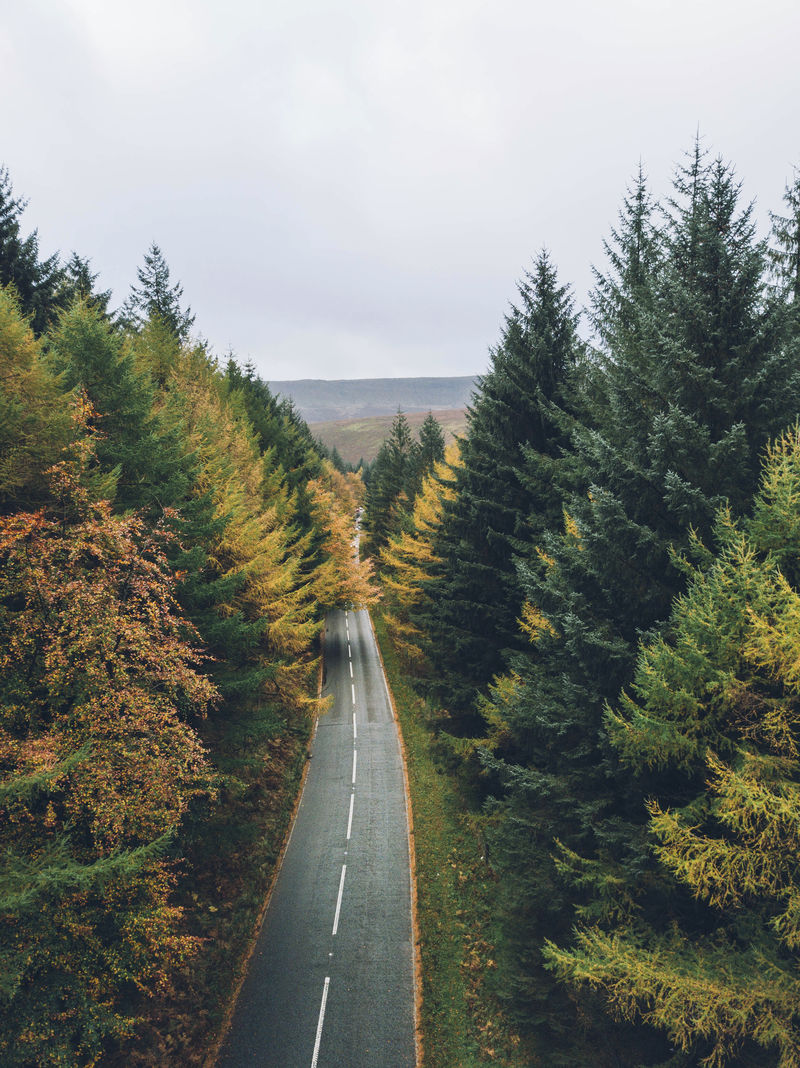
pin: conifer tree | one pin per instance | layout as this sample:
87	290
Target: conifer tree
155	296
407	560
785	253
694	375
391	484
473	598
78	283
35	418
38	282
715	702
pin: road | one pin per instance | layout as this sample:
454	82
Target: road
330	983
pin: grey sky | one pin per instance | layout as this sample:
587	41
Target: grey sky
350	189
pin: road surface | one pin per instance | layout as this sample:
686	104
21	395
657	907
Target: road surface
331	980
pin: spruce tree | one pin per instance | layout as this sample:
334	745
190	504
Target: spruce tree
38	282
156	296
715	702
785	253
693	375
473	598
391	486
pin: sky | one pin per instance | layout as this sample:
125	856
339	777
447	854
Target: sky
352	189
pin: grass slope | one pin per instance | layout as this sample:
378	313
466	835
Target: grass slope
360	439
461	1025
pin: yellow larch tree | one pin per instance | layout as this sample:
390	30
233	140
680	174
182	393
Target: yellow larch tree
406	561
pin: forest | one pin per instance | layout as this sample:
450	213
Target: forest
171	538
596	592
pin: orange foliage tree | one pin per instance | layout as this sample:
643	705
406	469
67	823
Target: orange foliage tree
97	769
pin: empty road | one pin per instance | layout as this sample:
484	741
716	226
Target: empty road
331	981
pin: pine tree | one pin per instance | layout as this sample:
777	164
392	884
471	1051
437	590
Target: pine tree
391	485
90	355
785	253
156	297
716	703
38	283
473	598
78	283
430	451
693	376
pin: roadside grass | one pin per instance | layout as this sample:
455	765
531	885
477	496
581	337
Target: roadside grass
462	1025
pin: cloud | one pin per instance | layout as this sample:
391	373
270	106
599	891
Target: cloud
375	173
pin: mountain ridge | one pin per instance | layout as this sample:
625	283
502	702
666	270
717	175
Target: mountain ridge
322	400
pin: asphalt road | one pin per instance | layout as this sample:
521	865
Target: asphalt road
331	981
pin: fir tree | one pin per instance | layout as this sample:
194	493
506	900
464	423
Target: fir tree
473	599
693	377
390	489
716	702
38	282
78	283
155	296
785	253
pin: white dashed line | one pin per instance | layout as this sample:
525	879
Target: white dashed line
355	755
351	669
353	691
350	817
339	902
320	1022
355	728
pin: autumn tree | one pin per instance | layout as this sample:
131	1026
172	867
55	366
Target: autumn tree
35	420
97	769
407	560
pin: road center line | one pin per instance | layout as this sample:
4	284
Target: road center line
355	728
350	817
353	689
339	902
351	669
320	1022
355	755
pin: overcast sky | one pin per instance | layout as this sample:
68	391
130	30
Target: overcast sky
351	189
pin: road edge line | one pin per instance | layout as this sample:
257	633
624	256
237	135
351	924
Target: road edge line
412	859
213	1055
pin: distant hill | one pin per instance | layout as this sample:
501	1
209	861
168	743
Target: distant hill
360	439
322	401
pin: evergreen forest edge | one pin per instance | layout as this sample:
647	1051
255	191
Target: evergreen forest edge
595	593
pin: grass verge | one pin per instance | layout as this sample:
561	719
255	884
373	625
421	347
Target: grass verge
461	1024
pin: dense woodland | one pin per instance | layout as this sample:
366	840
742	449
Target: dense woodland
170	539
598	594
596	590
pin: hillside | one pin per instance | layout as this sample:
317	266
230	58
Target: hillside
323	401
357	439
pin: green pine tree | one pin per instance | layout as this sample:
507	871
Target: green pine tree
39	283
715	704
693	375
474	598
156	296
